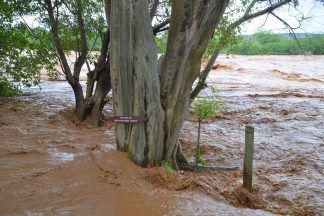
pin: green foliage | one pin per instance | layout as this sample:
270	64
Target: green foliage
24	53
204	107
161	42
200	160
69	32
223	36
167	166
266	37
267	43
24	50
227	33
7	89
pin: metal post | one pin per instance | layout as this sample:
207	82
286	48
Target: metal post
248	158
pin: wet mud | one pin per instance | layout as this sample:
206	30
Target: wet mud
50	164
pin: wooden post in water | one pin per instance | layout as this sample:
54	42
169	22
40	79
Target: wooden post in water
248	157
198	143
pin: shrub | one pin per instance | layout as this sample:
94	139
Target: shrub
204	107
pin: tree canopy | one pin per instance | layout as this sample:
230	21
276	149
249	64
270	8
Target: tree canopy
24	51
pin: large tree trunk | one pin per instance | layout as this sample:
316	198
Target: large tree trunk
135	81
192	25
160	93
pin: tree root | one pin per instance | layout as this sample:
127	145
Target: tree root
192	167
186	167
183	164
200	167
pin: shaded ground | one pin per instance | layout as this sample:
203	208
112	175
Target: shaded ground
50	164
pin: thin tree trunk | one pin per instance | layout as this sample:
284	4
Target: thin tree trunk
153	7
81	108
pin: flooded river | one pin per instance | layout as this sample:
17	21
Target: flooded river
52	165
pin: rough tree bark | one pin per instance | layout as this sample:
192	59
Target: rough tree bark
160	92
135	81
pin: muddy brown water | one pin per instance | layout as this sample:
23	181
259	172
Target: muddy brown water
52	165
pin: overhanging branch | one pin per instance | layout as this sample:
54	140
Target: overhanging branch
57	43
223	39
248	16
290	29
161	26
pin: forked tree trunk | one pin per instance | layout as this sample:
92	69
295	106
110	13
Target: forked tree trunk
99	79
160	93
97	101
92	104
98	86
92	107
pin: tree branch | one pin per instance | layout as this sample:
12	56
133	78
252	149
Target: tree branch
57	43
153	8
68	7
107	10
93	75
57	3
203	75
84	48
291	29
42	4
104	47
157	28
223	39
273	7
249	8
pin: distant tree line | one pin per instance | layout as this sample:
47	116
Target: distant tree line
275	44
265	43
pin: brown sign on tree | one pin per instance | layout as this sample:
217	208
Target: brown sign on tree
127	119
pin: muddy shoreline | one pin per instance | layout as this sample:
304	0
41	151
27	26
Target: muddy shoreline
51	164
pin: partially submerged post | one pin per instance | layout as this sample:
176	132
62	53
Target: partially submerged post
248	157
